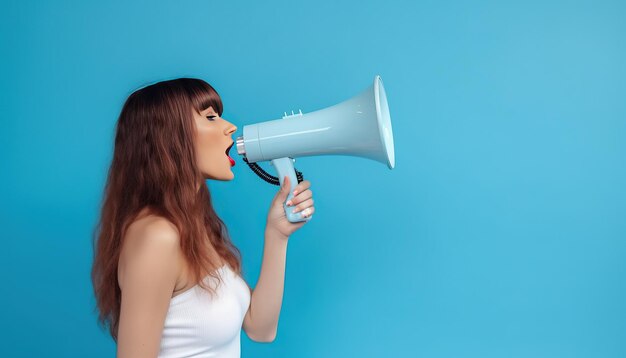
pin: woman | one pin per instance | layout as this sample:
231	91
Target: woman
166	276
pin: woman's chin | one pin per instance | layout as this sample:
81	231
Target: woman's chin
228	176
224	177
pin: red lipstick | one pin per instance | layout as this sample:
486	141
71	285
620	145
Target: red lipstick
232	161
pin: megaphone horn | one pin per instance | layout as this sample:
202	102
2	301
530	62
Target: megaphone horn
359	126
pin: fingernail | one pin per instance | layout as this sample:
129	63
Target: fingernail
289	203
295	192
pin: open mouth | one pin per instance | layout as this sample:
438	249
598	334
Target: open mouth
232	161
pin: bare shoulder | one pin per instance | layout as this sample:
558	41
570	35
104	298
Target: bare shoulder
148	270
152	229
150	241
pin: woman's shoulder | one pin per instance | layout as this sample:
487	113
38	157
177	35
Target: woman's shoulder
150	238
149	229
149	224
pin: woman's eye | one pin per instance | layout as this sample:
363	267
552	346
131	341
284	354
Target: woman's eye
211	118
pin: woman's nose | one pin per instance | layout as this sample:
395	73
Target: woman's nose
230	129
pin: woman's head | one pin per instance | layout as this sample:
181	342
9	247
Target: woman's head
169	137
178	122
213	142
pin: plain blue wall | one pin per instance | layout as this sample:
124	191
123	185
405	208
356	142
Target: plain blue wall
501	232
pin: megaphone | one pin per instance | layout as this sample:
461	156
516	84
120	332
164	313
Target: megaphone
360	126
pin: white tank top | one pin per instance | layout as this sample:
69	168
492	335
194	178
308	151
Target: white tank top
197	325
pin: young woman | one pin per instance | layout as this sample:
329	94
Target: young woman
167	278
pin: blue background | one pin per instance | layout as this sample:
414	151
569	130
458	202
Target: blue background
501	232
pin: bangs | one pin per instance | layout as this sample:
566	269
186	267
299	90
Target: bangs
203	96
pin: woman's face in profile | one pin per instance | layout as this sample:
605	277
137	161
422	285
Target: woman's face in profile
213	139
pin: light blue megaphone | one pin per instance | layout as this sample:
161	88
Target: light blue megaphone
360	126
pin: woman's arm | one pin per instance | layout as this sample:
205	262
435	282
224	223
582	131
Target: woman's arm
149	268
261	320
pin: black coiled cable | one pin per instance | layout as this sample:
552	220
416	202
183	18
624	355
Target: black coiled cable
266	176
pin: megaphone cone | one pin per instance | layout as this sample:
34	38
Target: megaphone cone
360	126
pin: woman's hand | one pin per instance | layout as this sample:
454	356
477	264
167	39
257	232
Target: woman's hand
303	201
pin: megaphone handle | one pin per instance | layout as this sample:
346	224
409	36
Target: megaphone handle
284	167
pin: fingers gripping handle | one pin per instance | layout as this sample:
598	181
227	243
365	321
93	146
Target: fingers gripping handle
284	167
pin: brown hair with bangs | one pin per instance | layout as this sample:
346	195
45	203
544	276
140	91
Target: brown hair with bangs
154	167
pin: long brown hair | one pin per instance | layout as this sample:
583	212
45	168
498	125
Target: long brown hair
154	167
